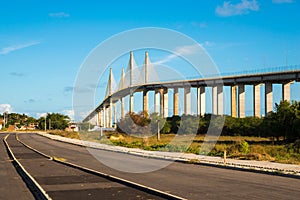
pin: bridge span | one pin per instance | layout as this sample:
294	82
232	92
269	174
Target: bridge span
106	110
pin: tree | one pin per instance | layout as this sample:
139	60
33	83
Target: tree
285	121
19	119
54	121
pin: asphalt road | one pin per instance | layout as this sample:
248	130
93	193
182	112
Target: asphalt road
64	182
185	180
11	184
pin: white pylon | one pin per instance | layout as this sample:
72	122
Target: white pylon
122	80
111	85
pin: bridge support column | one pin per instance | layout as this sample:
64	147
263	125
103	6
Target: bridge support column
241	100
286	91
165	103
99	118
115	115
233	101
156	101
220	99
256	100
161	102
110	114
104	116
107	117
145	101
214	100
175	102
200	101
268	98
131	103
187	100
122	108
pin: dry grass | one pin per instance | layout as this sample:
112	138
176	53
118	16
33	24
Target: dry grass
259	148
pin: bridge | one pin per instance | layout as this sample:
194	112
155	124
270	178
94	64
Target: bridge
138	80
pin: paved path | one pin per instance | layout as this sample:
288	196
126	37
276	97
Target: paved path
186	180
11	184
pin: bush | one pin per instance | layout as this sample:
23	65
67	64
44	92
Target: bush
244	147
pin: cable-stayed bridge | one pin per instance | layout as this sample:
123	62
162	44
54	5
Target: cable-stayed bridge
146	78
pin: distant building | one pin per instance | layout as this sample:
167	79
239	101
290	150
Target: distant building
1	123
29	127
72	127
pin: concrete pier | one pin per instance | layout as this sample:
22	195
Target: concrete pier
115	115
256	100
175	102
145	101
122	108
187	100
220	96
233	101
165	103
241	100
131	103
286	91
214	100
268	98
157	101
104	117
200	101
110	114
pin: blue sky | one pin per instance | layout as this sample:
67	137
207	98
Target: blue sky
44	43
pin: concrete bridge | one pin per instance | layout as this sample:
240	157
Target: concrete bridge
106	110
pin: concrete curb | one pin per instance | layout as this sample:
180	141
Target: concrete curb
267	167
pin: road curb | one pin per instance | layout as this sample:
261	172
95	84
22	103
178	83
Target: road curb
154	155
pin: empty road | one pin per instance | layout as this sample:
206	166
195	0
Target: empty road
185	180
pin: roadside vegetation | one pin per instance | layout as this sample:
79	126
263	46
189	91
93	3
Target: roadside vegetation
54	121
272	138
275	137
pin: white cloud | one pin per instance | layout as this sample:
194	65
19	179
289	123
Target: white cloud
69	113
208	44
179	51
59	14
282	1
9	49
244	7
41	115
5	108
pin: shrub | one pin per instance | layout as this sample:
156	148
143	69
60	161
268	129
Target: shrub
244	147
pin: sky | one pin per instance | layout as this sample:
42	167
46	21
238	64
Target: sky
44	43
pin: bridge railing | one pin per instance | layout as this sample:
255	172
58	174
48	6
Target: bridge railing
254	71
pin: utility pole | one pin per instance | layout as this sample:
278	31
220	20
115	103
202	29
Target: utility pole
4	119
158	131
5	116
45	123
